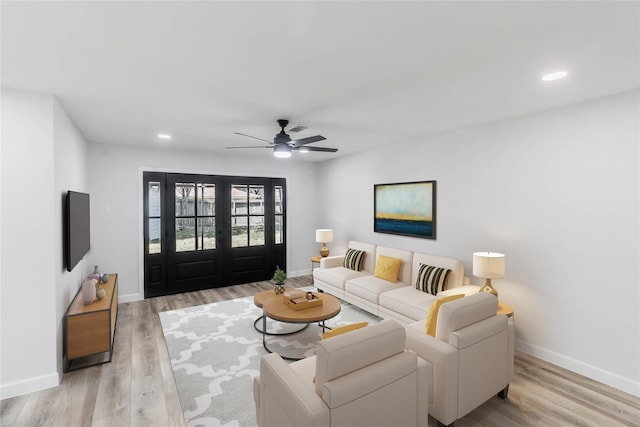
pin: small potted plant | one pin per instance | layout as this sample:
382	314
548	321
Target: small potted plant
278	280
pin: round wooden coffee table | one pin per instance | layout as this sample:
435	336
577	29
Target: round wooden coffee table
266	296
274	308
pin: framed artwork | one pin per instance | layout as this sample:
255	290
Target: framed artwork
407	209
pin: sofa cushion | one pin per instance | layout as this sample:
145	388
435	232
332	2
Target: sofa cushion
370	257
456	266
432	315
354	259
408	301
369	288
404	274
337	276
432	279
387	268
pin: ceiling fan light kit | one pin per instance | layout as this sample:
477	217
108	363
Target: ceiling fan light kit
283	145
282	151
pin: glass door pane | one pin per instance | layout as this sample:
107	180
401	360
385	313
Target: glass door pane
154	218
185	217
278	196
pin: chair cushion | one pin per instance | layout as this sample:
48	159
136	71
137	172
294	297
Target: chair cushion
387	268
349	352
432	315
305	369
463	312
354	259
432	279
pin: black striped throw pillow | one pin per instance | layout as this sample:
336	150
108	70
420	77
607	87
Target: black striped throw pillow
354	259
432	279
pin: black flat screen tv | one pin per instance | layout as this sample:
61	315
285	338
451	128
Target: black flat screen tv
77	228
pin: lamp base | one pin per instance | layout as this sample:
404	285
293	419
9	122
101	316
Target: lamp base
488	288
324	251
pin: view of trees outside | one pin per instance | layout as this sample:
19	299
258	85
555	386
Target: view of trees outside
247	216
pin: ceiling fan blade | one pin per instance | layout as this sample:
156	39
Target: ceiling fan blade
254	137
307	140
324	149
255	146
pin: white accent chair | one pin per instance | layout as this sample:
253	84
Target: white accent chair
362	378
471	356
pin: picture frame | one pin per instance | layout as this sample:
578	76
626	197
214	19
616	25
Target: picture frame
405	208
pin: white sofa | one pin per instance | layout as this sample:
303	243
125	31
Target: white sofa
471	357
398	300
362	378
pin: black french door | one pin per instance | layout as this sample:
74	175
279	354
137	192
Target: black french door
207	231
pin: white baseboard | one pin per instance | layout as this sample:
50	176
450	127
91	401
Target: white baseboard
138	297
129	298
598	374
18	388
299	273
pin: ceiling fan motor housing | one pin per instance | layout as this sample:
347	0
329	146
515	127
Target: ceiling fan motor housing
282	137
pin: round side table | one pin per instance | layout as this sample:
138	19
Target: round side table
504	308
314	260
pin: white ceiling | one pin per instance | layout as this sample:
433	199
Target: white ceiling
362	74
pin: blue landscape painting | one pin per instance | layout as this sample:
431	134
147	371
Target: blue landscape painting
405	208
400	226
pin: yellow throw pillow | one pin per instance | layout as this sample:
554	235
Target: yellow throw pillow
432	314
387	268
343	329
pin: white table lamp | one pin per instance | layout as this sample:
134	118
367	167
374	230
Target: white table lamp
488	265
324	236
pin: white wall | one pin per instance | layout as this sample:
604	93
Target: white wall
116	203
556	192
71	165
43	156
28	322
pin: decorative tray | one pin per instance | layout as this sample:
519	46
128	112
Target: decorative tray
301	301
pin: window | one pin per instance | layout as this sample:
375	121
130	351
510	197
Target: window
247	215
155	218
195	216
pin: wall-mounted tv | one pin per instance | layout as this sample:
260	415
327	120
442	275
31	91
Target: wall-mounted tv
77	228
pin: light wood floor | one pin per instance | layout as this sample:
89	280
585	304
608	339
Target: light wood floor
137	388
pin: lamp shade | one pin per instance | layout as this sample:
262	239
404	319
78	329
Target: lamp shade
324	236
488	265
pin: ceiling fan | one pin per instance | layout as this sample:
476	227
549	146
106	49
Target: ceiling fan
283	144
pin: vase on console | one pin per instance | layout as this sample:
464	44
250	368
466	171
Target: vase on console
96	274
89	290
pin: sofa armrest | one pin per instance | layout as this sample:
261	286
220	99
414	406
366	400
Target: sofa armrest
285	400
443	393
332	261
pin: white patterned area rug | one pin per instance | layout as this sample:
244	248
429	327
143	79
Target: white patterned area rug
215	354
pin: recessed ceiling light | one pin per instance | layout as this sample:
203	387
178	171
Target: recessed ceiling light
164	136
554	76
